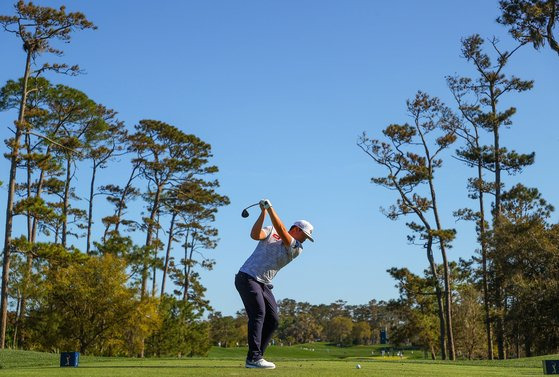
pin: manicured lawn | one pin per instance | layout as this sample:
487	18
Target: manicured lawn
298	361
293	368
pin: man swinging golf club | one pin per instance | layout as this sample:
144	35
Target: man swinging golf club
276	248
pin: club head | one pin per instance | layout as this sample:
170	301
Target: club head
245	212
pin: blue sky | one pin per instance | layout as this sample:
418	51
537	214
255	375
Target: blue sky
282	90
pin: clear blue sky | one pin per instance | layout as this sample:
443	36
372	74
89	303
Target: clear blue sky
282	90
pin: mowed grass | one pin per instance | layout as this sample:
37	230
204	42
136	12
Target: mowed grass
297	361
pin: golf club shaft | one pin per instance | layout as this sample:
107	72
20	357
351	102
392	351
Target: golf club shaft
252	205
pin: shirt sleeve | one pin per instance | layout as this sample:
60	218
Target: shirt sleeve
267	230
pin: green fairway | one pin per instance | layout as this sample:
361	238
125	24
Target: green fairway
315	360
209	367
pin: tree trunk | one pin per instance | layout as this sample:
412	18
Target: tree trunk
440	306
500	325
38	194
14	157
446	272
486	305
122	202
448	306
28	169
168	253
20	312
483	242
447	285
189	271
30	257
149	237
186	267
90	209
16	324
517	341
155	250
23	303
145	268
66	202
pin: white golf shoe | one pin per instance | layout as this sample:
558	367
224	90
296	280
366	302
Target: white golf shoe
260	364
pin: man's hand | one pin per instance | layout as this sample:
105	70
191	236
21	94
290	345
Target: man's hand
265	203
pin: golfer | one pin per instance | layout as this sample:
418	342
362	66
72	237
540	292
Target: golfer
276	248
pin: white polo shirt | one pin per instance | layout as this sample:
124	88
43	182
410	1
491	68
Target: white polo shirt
270	256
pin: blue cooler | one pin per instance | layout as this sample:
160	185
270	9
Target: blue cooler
69	359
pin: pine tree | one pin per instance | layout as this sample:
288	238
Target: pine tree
531	21
478	100
410	157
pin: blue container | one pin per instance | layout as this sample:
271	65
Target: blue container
550	366
383	337
69	359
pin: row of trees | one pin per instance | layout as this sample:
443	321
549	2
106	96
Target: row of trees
301	322
409	321
513	270
121	290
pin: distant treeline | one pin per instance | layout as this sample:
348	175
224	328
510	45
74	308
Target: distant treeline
301	322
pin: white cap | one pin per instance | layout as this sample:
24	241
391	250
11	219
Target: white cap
306	227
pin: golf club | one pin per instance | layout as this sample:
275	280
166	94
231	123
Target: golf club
245	212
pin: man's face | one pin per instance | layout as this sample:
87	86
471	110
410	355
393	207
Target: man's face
298	234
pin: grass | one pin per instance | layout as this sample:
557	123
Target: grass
311	351
311	360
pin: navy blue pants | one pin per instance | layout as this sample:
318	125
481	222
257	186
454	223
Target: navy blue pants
262	312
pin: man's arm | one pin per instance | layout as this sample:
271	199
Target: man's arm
256	233
280	228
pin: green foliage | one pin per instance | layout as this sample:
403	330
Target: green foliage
527	265
227	331
120	197
298	329
37	26
86	303
418	307
339	330
174	164
182	332
410	155
11	93
361	333
195	202
522	204
58	128
469	315
531	21
120	247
